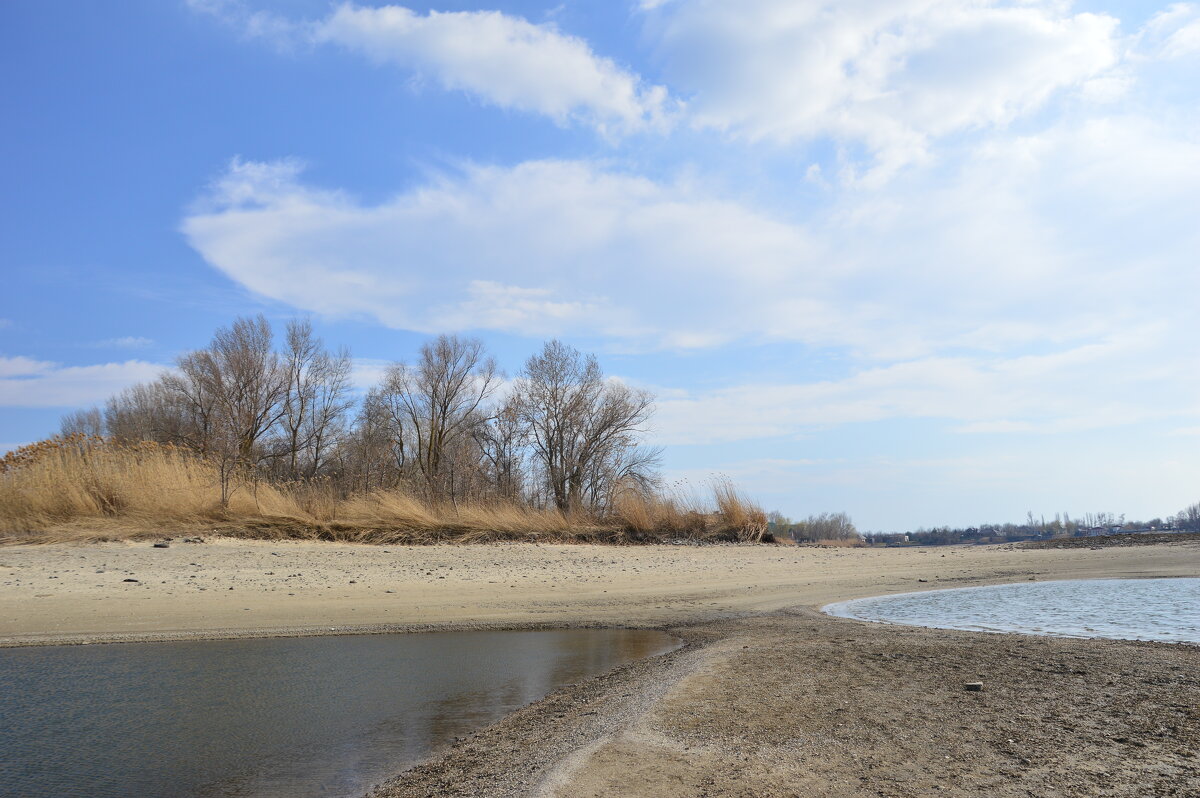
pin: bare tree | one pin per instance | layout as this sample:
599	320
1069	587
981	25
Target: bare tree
315	401
437	402
500	440
826	526
236	386
166	410
368	457
578	424
89	423
244	380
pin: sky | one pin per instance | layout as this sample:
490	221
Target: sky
923	261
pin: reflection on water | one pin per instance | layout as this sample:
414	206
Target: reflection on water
1131	609
314	716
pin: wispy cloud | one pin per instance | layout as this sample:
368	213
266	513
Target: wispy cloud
907	492
1035	394
891	77
487	249
125	342
1172	33
27	382
1053	239
504	60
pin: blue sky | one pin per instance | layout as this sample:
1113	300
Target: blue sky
924	261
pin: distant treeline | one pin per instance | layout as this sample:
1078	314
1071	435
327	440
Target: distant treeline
823	528
1039	528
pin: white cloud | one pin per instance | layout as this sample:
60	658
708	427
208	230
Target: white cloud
125	342
890	77
25	382
543	248
903	492
1049	240
1172	33
368	372
1095	386
503	60
22	366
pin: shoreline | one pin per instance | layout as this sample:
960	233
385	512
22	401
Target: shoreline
101	638
227	588
798	703
767	696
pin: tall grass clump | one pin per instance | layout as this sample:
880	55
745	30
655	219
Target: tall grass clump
87	488
738	514
77	480
679	514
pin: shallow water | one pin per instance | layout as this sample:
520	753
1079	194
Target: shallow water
1127	609
312	716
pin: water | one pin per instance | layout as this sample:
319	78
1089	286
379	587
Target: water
314	716
1127	609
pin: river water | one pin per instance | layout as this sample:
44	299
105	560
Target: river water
311	716
1130	609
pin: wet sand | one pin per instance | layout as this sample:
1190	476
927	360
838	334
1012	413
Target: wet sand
769	698
795	704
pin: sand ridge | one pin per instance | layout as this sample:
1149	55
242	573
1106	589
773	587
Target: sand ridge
229	587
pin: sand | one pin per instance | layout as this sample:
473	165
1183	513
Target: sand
767	698
225	587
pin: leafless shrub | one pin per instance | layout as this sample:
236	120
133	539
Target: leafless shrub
827	528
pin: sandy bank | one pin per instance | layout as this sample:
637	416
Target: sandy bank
795	704
768	699
224	587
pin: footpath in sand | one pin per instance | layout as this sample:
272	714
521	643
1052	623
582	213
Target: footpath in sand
768	697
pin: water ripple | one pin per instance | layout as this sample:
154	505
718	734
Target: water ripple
1166	610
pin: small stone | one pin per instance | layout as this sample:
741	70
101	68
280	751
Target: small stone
162	545
129	580
973	687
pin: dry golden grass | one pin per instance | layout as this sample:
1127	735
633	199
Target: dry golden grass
89	489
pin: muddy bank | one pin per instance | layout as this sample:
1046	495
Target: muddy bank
798	704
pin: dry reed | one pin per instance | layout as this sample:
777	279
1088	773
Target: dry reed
81	488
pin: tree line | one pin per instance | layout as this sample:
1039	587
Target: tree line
821	528
1041	527
447	426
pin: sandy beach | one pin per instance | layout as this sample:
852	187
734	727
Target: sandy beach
768	698
225	587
